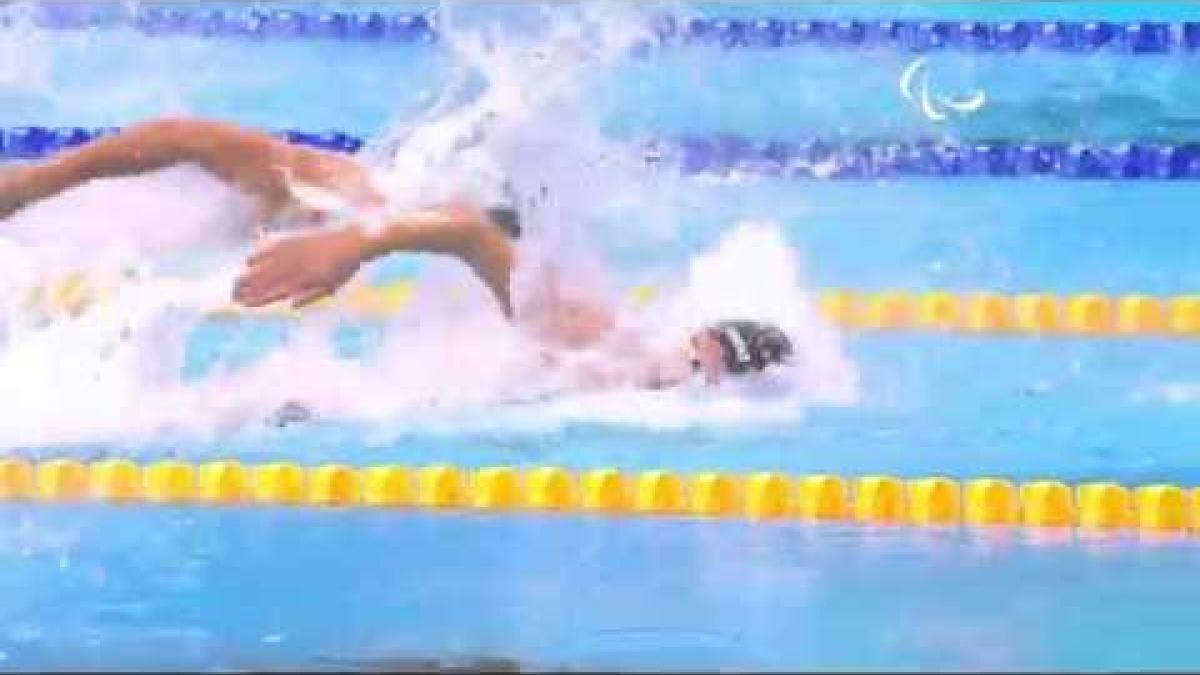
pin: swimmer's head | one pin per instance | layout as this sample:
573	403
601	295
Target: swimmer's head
739	347
506	216
507	219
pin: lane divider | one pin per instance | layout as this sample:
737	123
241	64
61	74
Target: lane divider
915	35
823	159
760	496
979	313
1042	314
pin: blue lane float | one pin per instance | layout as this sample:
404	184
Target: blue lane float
1138	37
727	154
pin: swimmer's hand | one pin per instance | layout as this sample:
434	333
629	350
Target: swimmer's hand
301	268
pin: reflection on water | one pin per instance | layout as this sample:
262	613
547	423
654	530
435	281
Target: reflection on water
396	591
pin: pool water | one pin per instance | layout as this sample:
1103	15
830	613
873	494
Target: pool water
260	589
99	587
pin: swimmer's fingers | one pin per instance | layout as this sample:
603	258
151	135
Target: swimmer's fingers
258	289
266	252
281	246
247	289
258	256
266	297
265	277
308	297
272	281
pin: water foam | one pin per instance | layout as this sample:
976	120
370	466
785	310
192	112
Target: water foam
514	122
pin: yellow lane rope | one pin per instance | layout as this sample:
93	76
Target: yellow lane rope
983	313
1083	314
760	496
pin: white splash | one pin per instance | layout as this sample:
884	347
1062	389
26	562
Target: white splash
512	122
754	274
24	57
1171	393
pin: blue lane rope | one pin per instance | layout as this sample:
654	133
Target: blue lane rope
723	154
1138	37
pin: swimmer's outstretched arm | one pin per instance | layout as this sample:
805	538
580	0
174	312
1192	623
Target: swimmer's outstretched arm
305	267
255	162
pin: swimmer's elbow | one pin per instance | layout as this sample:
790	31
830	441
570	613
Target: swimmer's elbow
176	132
170	126
192	138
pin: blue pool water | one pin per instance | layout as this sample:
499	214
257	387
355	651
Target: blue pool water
335	590
94	587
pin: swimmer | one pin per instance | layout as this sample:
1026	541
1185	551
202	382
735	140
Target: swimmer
328	246
271	171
